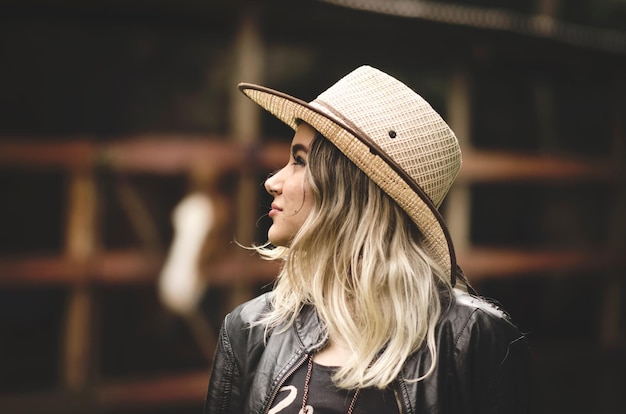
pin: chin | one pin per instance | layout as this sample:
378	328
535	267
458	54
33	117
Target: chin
277	241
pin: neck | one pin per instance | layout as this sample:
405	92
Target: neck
334	354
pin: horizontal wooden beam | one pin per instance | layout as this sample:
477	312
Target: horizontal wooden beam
167	156
49	153
126	267
154	392
159	154
489	166
162	154
171	389
136	267
480	263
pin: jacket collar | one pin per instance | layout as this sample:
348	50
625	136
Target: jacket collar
310	329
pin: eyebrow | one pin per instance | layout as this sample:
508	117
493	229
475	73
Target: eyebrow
299	147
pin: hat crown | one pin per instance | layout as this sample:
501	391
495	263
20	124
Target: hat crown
400	123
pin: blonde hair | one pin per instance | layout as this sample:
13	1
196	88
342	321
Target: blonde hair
358	260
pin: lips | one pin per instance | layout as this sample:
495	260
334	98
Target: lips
275	210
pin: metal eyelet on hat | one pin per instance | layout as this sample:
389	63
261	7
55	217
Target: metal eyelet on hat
392	134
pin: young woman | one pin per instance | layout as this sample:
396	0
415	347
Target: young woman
370	313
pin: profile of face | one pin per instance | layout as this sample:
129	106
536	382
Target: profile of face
292	194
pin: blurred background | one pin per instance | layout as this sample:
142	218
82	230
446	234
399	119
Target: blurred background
121	130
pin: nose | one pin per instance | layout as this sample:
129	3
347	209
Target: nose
273	183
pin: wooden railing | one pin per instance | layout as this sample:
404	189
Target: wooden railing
163	155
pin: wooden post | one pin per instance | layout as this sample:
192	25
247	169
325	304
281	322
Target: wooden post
80	247
611	335
246	128
547	7
458	203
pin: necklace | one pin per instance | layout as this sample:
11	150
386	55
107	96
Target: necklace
307	409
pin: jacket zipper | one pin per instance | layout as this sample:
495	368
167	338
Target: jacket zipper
402	391
282	381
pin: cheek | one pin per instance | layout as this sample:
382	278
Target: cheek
308	201
304	208
295	196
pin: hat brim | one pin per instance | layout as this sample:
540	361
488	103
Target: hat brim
368	157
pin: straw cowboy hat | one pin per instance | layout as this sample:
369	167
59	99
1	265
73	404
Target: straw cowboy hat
393	135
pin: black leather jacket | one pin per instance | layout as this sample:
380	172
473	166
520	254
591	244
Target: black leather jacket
483	362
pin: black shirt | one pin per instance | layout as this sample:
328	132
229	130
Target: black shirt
326	398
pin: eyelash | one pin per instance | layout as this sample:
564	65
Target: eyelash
298	160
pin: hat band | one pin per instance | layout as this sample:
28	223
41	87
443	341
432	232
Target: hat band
329	111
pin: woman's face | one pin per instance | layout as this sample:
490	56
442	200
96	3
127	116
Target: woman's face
291	191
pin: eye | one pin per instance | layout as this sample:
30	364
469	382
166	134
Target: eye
298	160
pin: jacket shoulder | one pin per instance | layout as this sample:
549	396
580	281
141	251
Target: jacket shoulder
468	312
240	344
491	355
250	312
244	333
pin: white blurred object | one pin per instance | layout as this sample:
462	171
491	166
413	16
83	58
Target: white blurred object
180	284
